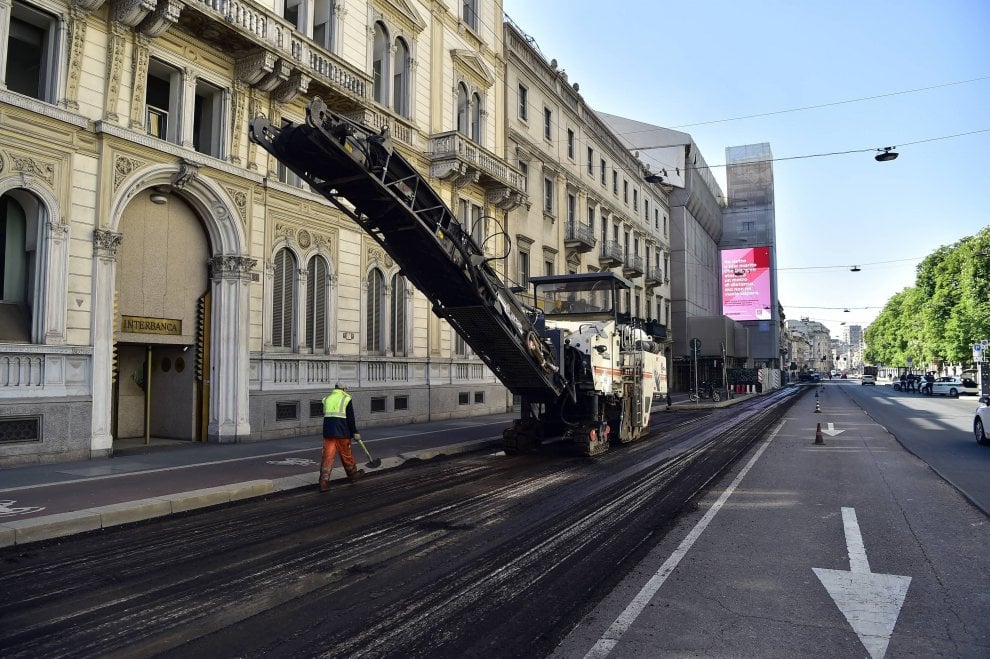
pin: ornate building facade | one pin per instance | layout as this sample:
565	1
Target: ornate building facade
162	277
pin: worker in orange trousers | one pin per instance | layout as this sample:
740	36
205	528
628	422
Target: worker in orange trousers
339	426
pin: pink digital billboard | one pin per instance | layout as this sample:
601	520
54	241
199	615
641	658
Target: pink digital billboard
746	283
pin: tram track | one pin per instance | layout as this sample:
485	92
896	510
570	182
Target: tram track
463	556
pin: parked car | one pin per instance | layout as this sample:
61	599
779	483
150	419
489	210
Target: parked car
982	421
869	379
954	387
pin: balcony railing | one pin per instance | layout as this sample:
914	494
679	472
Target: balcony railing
580	237
633	266
452	153
611	254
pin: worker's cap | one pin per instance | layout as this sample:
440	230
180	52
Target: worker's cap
340	386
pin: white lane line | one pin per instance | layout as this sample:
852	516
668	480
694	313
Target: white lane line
614	633
854	542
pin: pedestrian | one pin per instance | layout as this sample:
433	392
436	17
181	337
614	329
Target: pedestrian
339	426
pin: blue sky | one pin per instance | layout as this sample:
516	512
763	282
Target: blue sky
691	65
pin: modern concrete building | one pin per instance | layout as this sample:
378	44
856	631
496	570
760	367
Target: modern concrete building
749	223
163	277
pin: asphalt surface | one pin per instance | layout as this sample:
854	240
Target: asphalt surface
745	575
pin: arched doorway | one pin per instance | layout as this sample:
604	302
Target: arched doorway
161	321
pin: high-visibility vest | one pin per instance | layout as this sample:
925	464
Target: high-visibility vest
335	405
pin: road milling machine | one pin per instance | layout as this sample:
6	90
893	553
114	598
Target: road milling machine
582	370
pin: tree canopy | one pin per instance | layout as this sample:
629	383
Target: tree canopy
937	320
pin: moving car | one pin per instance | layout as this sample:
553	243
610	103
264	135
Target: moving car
953	387
981	424
869	379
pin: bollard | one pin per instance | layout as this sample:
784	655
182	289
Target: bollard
818	410
819	439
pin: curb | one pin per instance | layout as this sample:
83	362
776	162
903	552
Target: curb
49	527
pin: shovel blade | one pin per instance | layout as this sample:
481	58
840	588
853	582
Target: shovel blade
374	464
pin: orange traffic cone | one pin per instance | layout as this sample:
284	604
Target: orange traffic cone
819	439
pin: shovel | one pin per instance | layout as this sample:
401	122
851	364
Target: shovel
371	464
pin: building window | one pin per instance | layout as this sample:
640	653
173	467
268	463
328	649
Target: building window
524	172
615	182
286	411
400	403
162	97
283	298
375	309
571	207
463	109
470	14
548	268
208	119
379	65
548	195
464	398
523	103
625	191
400	79
317	304
635	200
476	114
477	225
479	397
315	408
32	53
547	124
325	23
603	166
377	404
591	161
591	219
397	316
646	211
570	144
524	268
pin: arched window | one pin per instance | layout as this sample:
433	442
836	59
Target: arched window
397	317
317	304
462	109
400	79
17	259
375	310
476	117
379	64
283	298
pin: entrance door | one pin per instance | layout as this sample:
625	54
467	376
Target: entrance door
156	392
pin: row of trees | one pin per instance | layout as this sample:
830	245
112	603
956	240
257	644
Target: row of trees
937	320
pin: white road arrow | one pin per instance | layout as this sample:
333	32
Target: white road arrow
870	602
831	431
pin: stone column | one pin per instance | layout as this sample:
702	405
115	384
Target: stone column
57	248
105	245
230	278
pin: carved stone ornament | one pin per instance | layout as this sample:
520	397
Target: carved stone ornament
187	172
165	15
253	68
29	166
240	200
130	12
1	162
378	254
106	242
305	240
288	91
285	231
231	265
122	168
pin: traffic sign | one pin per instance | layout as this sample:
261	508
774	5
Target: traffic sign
696	346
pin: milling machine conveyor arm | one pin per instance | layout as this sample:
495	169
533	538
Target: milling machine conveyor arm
360	173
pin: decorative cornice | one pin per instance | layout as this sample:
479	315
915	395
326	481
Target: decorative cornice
254	67
130	12
469	61
288	91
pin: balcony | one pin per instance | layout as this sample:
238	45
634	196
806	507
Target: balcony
611	254
272	56
653	277
454	157
579	237
633	267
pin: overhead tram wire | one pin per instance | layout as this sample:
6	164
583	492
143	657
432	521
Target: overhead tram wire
847	266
